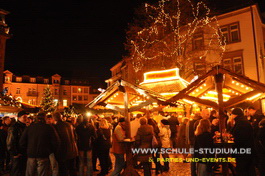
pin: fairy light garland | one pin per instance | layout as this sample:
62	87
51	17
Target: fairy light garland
168	40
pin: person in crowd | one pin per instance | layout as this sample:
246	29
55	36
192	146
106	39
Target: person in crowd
95	122
190	133
54	164
104	135
135	124
143	140
18	158
68	148
255	117
3	152
86	135
203	139
215	126
182	138
6	124
205	114
117	147
6	121
261	147
154	124
165	140
29	120
39	140
173	124
213	115
243	138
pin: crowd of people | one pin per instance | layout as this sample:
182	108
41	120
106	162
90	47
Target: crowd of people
50	144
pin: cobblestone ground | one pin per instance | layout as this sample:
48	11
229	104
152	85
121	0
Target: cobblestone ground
176	168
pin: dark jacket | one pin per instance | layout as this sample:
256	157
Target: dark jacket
204	140
255	119
68	148
173	122
14	134
243	134
143	139
103	138
3	149
86	135
39	140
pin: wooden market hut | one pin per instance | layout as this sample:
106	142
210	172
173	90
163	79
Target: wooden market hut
221	89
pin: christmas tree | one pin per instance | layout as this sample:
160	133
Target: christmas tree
47	103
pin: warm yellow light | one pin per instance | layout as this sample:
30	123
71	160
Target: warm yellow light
164	75
88	114
237	84
247	88
254	97
188	101
233	82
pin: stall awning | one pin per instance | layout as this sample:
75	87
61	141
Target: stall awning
235	89
113	97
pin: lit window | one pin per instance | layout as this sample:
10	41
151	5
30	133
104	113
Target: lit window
74	90
79	90
7	79
32	80
199	68
66	81
55	102
56	92
46	81
85	90
18	79
231	33
18	91
234	64
198	41
74	98
64	102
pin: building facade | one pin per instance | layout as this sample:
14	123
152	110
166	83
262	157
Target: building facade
244	35
30	89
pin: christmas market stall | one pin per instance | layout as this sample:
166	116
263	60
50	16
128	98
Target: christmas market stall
125	98
221	89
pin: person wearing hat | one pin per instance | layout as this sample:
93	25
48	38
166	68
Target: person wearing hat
243	138
18	158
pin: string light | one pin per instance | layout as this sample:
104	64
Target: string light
169	40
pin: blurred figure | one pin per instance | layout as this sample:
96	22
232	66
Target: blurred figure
54	164
86	135
215	126
39	140
68	148
182	140
261	147
143	140
6	122
104	135
213	115
165	140
135	124
243	138
117	148
3	150
190	133
173	124
204	139
18	158
29	120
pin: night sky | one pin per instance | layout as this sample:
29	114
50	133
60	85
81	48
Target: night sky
73	38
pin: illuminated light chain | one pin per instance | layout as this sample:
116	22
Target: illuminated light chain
168	41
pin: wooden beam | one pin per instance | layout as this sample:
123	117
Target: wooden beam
135	108
239	99
191	86
201	101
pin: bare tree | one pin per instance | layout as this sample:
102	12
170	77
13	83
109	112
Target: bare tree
174	33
